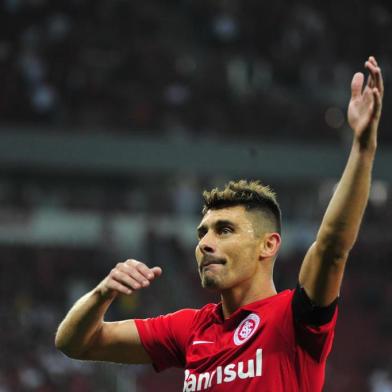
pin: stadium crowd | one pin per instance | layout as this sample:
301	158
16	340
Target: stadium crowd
184	69
40	282
188	68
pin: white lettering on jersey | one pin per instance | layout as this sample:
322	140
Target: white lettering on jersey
229	373
249	373
219	375
212	376
202	381
191	381
246	329
203	377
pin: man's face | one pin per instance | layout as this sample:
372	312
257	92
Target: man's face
228	250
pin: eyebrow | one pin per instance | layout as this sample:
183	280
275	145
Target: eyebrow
218	223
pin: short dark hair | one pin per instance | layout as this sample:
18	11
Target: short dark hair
253	195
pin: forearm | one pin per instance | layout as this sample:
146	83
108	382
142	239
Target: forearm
83	334
341	222
82	322
323	267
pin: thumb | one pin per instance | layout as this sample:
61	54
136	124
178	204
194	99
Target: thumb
357	84
157	271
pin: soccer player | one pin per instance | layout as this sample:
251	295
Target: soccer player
255	339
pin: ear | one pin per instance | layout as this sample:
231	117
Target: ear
270	245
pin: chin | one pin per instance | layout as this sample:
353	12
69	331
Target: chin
211	283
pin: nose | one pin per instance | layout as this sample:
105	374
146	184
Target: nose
206	249
206	244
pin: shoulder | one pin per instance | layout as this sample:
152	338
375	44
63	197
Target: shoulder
186	314
277	310
208	309
274	308
190	313
296	303
280	301
284	296
205	313
183	317
178	320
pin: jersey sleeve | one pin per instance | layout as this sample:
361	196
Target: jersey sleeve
164	337
314	325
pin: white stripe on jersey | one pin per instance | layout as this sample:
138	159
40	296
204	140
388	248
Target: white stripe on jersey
201	342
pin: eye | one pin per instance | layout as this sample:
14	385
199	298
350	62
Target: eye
225	230
201	234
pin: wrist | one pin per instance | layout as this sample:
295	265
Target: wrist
366	148
103	294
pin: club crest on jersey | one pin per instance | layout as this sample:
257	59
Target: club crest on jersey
246	329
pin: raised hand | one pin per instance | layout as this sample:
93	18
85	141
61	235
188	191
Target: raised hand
128	277
364	110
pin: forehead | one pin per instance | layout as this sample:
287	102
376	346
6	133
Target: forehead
235	214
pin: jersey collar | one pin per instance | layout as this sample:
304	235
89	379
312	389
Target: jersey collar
248	308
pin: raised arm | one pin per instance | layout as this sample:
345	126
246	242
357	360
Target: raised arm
323	266
83	334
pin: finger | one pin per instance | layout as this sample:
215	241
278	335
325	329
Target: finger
370	81
356	85
116	286
145	271
378	103
135	274
373	60
157	271
132	264
373	69
380	82
368	97
378	79
127	280
149	273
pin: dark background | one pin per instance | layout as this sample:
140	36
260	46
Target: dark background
115	115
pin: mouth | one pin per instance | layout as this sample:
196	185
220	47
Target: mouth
208	260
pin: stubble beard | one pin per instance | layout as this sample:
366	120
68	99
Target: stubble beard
210	281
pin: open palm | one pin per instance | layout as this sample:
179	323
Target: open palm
364	110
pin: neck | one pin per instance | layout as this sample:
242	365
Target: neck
246	293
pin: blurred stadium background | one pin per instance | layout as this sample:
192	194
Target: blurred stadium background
114	115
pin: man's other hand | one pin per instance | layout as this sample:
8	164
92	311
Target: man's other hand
127	277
